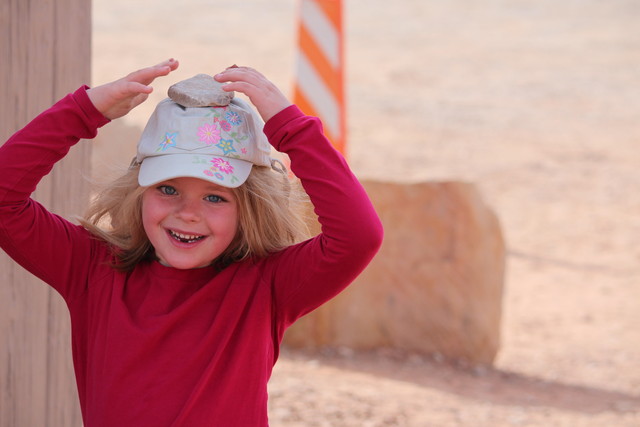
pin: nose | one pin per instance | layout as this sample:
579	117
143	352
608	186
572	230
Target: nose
189	210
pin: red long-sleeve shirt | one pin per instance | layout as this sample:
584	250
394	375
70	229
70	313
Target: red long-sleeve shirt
160	346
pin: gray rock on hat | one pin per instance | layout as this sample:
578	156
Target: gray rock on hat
200	90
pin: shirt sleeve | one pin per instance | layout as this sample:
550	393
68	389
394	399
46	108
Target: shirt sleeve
45	244
310	273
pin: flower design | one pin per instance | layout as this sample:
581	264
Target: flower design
209	134
225	125
168	141
211	172
226	145
222	165
233	118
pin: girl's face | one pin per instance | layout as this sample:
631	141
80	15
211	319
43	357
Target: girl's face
189	221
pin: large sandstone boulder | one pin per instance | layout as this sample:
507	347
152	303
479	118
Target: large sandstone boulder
435	286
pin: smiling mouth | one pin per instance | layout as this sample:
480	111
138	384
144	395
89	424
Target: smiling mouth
185	238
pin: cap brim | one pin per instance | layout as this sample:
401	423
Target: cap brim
224	171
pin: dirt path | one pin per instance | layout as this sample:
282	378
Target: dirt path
537	102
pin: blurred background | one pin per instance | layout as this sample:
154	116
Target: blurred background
534	101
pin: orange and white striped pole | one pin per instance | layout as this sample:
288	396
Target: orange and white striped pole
319	86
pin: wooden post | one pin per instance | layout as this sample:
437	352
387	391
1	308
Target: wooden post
45	51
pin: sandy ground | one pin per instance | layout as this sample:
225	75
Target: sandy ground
535	101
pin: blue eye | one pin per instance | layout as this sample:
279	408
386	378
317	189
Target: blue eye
214	199
167	189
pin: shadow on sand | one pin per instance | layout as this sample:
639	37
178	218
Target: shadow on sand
485	384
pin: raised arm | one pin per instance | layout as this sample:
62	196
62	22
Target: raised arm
43	243
309	274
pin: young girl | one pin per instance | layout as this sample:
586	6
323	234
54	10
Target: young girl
187	272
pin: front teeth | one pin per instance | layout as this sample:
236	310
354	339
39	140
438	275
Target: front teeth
186	238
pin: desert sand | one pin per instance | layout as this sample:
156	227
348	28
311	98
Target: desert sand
537	103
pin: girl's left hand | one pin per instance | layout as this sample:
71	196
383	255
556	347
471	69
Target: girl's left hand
264	95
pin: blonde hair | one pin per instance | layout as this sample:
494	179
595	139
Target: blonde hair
271	216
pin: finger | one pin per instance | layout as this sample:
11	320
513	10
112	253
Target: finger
239	72
171	62
241	78
133	88
125	90
138	99
240	86
149	74
246	81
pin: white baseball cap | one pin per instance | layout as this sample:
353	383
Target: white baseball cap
218	144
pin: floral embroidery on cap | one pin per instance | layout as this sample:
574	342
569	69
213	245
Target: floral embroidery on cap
222	165
225	125
197	160
209	134
226	145
233	118
217	175
168	141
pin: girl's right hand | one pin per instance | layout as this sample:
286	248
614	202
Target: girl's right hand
117	98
